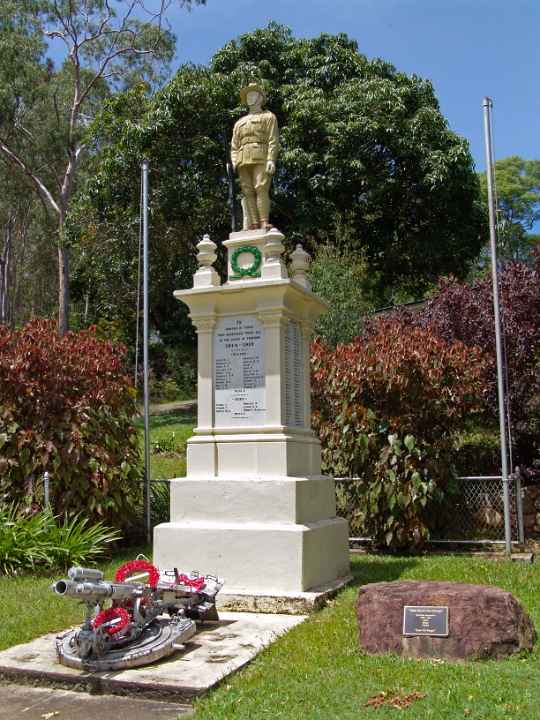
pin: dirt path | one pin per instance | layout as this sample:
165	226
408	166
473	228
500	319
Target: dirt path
161	408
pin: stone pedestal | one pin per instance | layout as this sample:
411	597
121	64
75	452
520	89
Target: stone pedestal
254	507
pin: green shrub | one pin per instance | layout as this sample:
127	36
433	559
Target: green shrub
110	330
31	541
157	357
23	543
165	444
182	368
164	390
76	542
389	505
161	502
67	407
478	452
173	374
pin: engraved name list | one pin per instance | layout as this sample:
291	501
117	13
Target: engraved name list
239	380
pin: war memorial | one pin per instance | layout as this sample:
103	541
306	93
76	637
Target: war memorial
254	515
254	506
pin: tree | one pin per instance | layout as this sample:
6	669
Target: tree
367	162
342	278
518	205
42	133
464	312
25	253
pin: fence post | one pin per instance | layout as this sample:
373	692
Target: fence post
519	507
46	489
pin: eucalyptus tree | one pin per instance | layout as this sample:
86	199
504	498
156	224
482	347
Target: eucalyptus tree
107	44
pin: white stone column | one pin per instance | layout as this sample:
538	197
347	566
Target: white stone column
204	326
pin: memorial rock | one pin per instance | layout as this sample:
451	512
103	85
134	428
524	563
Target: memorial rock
483	621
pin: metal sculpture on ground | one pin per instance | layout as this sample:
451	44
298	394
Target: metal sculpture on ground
152	614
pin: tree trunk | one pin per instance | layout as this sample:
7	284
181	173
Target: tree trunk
63	280
5	274
18	265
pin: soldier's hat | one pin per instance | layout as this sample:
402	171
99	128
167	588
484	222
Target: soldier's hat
252	87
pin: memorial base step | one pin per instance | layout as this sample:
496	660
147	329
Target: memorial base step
291	603
262	499
257	557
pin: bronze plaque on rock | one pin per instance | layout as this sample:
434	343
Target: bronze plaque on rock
425	620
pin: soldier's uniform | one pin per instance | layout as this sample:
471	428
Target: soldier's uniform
255	141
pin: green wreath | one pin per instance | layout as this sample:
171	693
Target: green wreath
250	271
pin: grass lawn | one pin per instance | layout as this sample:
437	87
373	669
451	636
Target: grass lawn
170	430
317	671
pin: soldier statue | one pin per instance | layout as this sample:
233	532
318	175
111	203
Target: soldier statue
254	151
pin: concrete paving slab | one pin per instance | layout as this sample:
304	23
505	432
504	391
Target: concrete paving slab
216	651
31	703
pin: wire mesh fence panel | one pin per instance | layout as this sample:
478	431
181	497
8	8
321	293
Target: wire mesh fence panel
474	511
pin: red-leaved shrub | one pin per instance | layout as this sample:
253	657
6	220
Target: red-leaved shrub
66	406
465	312
386	408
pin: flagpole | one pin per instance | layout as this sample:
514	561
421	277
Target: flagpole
147	495
488	105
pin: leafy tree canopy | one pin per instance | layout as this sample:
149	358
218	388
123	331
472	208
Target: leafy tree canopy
343	279
518	204
368	162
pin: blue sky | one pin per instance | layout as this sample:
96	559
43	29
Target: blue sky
467	48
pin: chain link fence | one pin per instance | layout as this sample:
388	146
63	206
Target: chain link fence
473	513
477	511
